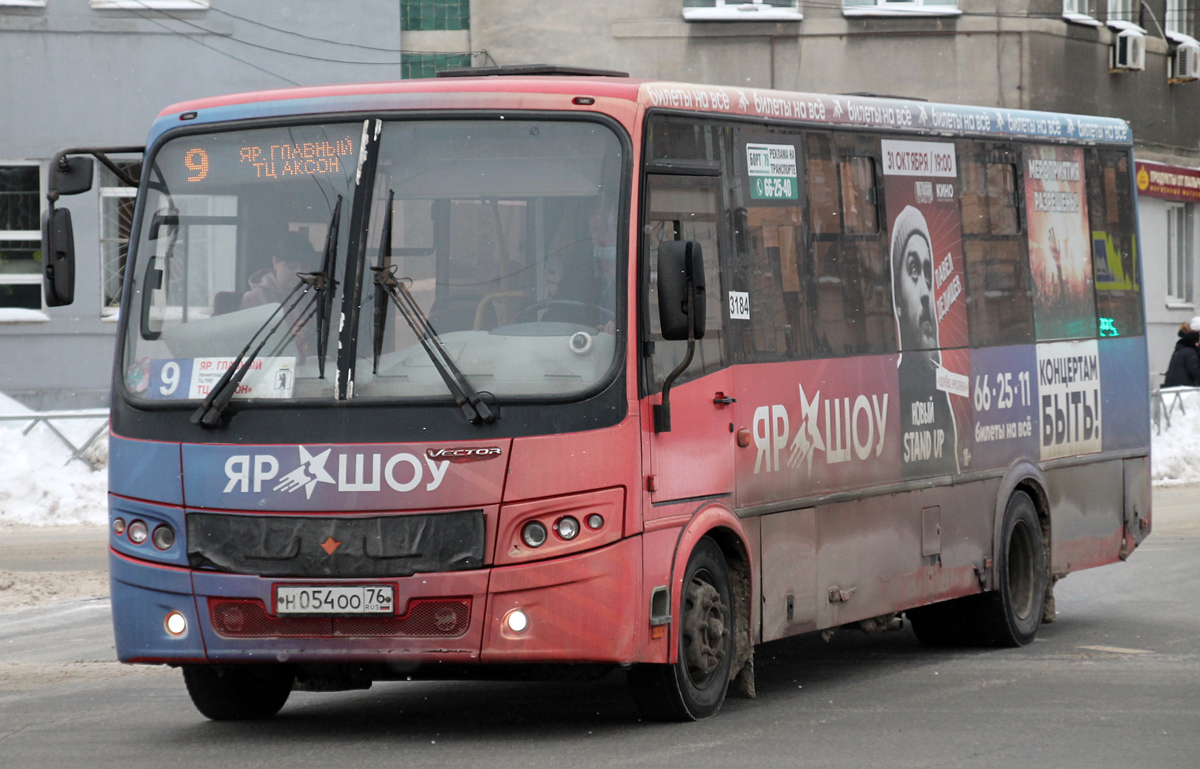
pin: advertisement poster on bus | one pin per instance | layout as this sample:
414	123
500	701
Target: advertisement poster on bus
817	425
1004	394
1069	390
929	297
1059	243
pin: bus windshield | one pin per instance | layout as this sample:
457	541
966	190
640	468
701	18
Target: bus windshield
497	240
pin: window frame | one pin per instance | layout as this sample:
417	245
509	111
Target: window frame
1176	238
27	279
740	10
108	195
1081	12
900	8
150	5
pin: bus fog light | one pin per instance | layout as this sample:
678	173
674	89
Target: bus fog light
138	531
175	623
517	621
568	527
534	534
595	521
118	526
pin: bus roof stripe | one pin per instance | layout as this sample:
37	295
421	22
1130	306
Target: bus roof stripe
884	113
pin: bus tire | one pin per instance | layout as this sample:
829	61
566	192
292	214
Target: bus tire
238	692
1012	614
694	687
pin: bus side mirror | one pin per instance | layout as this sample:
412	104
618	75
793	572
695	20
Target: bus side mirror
681	289
71	175
58	258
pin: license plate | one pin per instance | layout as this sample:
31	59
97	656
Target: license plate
334	599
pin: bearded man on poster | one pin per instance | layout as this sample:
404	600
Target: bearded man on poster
927	429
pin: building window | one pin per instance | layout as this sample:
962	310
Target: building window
1177	19
742	10
424	15
157	5
116	219
900	8
418	65
22	3
1179	253
1121	10
1080	12
20	238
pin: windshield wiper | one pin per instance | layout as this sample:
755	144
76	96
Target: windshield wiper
465	396
210	410
385	254
328	286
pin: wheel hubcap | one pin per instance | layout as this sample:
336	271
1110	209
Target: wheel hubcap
1021	578
703	629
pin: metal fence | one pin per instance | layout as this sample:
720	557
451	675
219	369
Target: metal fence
48	418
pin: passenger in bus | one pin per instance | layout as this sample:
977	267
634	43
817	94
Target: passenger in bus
1184	368
292	254
926	419
590	275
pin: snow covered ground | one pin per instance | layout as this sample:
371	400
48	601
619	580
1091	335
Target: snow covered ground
39	487
37	484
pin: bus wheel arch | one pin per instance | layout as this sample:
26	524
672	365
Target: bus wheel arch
1025	476
711	559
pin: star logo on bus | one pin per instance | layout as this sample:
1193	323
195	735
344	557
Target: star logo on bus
808	437
310	472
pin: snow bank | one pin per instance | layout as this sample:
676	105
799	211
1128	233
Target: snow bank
37	485
1175	452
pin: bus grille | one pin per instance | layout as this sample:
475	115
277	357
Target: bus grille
248	618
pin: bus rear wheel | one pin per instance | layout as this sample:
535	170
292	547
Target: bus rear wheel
238	692
1011	615
694	687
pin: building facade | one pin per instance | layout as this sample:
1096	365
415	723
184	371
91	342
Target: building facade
97	71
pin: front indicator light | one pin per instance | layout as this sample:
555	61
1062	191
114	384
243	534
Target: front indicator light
138	531
534	534
568	527
595	521
118	526
517	621
175	623
164	537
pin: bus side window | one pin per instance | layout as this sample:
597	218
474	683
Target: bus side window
846	258
683	208
1114	245
766	214
1000	300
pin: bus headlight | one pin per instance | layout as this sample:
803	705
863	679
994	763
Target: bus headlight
534	534
175	623
568	527
138	531
164	537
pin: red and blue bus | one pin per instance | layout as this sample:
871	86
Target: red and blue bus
530	371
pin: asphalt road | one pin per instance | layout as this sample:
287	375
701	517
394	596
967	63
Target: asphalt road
1114	683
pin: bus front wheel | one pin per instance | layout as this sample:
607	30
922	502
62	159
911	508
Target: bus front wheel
238	692
695	686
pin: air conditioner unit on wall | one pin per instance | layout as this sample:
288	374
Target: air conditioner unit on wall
1129	51
1185	63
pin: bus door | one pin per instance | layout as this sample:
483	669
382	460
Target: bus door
695	458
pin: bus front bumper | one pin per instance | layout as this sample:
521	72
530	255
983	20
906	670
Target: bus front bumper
578	608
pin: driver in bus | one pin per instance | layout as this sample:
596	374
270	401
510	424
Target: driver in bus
928	436
590	275
292	254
